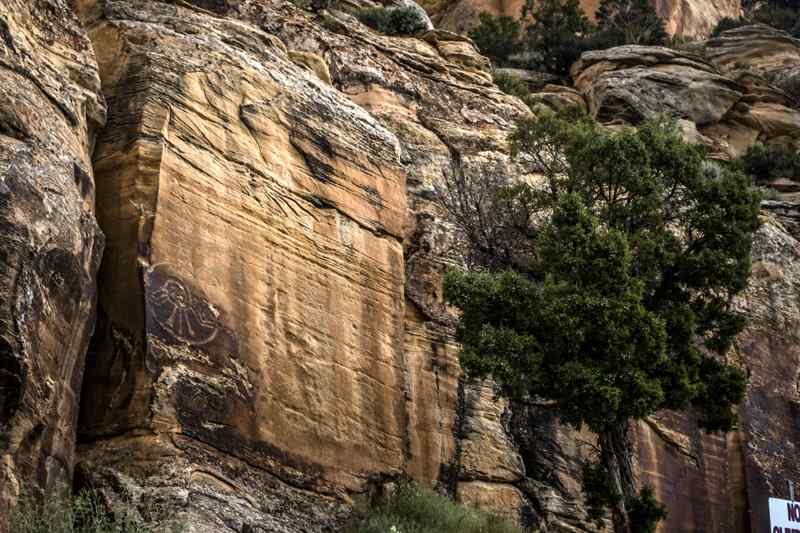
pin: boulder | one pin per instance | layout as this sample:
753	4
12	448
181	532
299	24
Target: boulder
557	97
534	79
633	83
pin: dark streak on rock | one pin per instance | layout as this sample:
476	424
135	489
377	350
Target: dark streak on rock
5	35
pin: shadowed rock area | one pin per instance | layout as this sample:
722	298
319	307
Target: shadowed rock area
50	109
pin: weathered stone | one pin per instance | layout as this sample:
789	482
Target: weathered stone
633	83
554	455
557	97
273	336
499	498
534	79
759	49
50	107
253	286
487	451
253	307
314	63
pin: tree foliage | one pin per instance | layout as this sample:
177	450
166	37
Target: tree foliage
634	247
497	37
632	22
392	21
768	162
561	32
558	35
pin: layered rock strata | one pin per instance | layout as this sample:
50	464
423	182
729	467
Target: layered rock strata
50	109
271	312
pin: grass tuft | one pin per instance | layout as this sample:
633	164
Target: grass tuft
413	509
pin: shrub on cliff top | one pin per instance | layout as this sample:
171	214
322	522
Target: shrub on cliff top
781	14
392	21
413	509
773	161
510	85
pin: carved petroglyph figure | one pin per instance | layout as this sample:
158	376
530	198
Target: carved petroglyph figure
180	313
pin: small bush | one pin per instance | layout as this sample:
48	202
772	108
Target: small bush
412	509
779	15
392	21
728	23
768	162
511	85
497	37
84	513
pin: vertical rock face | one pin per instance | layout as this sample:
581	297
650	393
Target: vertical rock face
252	289
272	336
50	106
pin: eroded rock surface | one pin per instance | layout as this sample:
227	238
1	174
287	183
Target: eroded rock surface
726	107
50	107
271	309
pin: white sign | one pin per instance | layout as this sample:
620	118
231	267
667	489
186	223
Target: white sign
784	516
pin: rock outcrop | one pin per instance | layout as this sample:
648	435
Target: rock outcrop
726	107
50	108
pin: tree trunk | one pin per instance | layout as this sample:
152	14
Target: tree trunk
616	456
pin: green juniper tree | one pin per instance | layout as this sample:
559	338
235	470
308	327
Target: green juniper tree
497	37
557	36
608	284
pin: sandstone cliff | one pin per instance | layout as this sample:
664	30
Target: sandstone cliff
270	338
50	109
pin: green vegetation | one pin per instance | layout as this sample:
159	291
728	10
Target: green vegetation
413	509
607	284
561	32
392	21
84	513
498	38
769	162
511	85
781	14
631	22
728	23
556	38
